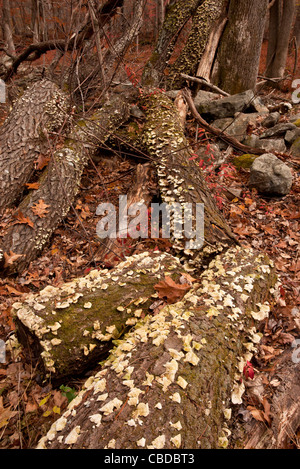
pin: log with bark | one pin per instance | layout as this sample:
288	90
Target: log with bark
42	108
174	379
41	211
67	330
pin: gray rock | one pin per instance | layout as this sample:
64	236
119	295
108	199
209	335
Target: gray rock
278	130
204	98
258	106
237	126
269	175
227	107
271	120
291	136
272	144
251	140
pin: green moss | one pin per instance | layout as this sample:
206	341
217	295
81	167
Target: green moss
244	161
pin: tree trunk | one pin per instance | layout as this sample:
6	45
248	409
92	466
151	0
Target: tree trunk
42	108
68	330
44	208
238	56
209	15
173	380
180	180
178	13
281	22
7	27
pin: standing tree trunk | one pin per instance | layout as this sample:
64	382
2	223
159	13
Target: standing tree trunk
7	27
238	56
281	22
208	16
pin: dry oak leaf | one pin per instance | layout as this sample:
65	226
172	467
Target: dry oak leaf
20	218
171	290
10	258
40	208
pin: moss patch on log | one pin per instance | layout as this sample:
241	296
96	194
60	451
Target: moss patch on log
72	327
174	378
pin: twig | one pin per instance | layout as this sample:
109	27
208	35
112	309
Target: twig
206	83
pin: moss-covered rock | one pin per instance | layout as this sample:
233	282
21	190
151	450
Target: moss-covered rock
244	161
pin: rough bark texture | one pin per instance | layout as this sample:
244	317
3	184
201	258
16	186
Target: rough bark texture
180	180
41	108
238	57
174	378
69	329
58	184
207	15
177	15
281	22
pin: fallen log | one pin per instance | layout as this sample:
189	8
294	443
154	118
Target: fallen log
45	207
173	380
182	184
67	330
42	108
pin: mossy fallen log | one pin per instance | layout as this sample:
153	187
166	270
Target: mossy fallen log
174	378
68	329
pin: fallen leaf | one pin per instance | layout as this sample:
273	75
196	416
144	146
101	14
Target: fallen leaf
40	208
42	162
10	258
33	185
20	218
170	290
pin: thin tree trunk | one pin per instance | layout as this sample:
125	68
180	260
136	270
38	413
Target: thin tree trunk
177	15
281	22
208	15
7	27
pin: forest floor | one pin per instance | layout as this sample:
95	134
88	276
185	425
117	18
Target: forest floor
28	406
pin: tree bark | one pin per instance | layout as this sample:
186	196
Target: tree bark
180	180
68	330
42	108
58	185
7	27
281	22
173	380
178	13
209	15
238	56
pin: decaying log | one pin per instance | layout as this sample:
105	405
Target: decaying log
180	181
41	109
69	329
174	378
59	184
